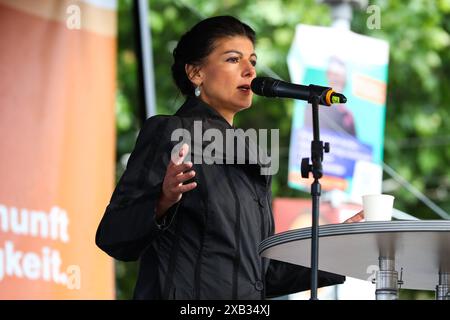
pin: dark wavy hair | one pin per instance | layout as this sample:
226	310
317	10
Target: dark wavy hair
196	44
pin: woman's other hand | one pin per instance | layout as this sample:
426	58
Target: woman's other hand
356	218
173	187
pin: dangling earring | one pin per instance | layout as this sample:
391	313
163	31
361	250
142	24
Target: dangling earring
197	91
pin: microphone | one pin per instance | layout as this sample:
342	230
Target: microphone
269	87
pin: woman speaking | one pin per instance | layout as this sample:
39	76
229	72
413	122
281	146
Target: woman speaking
196	227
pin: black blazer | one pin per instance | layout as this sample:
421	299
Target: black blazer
208	248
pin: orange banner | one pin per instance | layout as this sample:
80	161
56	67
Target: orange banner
57	147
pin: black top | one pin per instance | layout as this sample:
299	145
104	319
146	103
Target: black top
208	248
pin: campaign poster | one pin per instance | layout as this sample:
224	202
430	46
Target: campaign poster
356	66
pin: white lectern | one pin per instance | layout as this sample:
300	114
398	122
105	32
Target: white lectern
410	254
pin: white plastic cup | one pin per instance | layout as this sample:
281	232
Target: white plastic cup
378	207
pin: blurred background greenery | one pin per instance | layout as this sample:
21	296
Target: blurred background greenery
417	134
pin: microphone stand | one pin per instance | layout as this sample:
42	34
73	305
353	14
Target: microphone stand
317	149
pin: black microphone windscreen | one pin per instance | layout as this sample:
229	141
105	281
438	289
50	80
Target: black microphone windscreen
263	86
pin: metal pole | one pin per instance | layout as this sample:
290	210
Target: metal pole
342	15
386	280
342	11
145	58
443	288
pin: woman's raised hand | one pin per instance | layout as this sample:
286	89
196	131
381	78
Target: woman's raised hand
173	187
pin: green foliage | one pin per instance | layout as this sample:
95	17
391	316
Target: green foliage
417	135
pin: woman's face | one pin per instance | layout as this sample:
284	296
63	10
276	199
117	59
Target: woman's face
226	75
